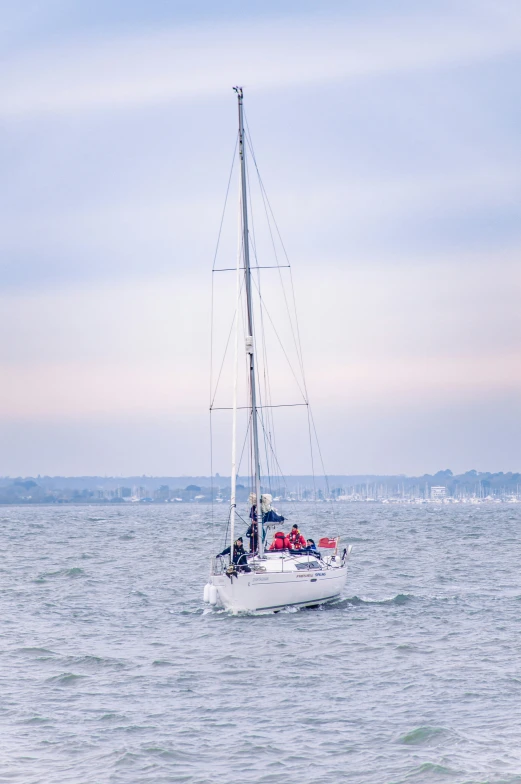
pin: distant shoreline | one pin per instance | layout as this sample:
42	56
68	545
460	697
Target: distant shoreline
363	502
442	487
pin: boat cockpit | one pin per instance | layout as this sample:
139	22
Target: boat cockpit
284	561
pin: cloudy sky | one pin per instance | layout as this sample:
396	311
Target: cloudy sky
388	139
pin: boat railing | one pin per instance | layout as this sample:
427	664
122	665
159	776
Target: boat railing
313	561
217	564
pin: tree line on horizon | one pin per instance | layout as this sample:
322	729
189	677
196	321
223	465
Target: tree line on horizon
159	489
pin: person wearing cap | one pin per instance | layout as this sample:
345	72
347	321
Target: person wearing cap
296	539
239	555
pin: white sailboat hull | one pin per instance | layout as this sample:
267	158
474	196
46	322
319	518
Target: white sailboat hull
273	590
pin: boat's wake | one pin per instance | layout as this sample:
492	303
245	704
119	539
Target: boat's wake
343	603
358	601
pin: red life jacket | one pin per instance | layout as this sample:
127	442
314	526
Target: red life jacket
296	539
280	542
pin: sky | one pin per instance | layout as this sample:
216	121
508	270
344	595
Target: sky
387	135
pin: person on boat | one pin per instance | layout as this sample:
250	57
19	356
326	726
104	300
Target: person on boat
311	546
253	534
239	555
280	542
296	539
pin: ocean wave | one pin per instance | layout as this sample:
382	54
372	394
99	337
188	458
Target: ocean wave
431	769
399	599
422	736
36	720
65	678
94	662
112	717
336	604
75	571
35	651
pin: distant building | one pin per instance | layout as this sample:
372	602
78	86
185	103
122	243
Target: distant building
438	493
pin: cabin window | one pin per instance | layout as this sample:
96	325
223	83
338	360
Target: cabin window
308	565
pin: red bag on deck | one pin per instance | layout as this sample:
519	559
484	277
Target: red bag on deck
327	542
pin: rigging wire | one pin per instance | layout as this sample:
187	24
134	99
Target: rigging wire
248	426
265	366
267	420
312	470
278	266
274	405
294	330
297	340
254	463
292	501
211	481
212	399
266	204
267	388
253	242
249	414
282	347
326	478
215	259
212	515
225	201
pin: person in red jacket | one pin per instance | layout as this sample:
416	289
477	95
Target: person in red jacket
296	539
280	542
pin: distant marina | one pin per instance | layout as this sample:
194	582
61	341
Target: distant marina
440	488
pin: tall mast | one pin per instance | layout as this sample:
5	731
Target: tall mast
250	343
233	479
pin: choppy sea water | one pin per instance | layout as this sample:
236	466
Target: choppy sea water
113	670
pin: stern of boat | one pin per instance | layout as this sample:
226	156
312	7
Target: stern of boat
276	581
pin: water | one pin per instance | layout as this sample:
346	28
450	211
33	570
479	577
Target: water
112	670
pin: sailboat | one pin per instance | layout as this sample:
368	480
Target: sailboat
267	578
